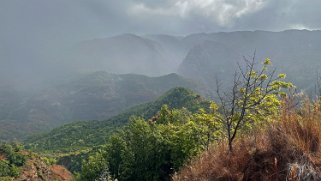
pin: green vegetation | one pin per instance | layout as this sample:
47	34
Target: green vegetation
157	148
84	135
288	148
96	96
255	97
148	150
155	140
11	160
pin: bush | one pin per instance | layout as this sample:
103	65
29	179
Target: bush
4	168
7	169
13	160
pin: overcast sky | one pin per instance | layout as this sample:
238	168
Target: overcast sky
30	30
73	19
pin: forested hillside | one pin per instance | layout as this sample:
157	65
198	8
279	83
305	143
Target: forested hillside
96	96
152	90
73	143
201	58
169	138
86	134
157	148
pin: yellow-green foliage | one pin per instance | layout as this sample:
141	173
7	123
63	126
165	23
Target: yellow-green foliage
254	98
6	178
288	148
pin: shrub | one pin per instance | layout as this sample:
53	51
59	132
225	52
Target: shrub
13	160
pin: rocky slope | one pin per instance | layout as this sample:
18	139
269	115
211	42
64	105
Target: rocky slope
36	170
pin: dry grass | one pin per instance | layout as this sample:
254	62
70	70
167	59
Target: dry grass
287	149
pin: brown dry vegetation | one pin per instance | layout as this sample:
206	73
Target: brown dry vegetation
61	173
2	156
286	149
36	170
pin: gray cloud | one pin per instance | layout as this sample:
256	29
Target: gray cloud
228	15
75	19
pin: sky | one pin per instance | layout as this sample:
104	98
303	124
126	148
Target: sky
73	19
31	30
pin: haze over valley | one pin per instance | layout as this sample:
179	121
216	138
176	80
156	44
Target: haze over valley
105	76
136	89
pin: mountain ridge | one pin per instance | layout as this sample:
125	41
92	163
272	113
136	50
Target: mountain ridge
96	96
86	134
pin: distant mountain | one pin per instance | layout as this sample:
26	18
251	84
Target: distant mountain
210	61
93	133
202	58
95	96
155	55
172	48
124	54
294	52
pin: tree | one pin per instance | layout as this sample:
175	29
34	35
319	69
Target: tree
210	123
148	150
14	159
254	96
115	151
93	166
